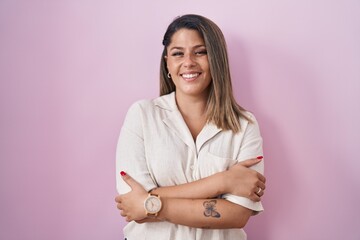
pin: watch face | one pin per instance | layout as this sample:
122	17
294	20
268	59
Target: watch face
152	204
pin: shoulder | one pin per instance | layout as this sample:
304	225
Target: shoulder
249	123
251	128
136	109
140	105
136	115
248	118
248	115
151	105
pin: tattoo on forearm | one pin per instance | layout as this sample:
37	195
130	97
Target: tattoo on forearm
210	209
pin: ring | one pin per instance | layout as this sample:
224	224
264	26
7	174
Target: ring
258	191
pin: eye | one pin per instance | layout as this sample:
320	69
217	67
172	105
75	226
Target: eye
201	52
177	53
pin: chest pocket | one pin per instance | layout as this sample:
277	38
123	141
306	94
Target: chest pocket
209	164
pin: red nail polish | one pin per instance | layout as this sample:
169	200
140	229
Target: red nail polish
260	157
122	173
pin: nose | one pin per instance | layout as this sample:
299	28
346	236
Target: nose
189	60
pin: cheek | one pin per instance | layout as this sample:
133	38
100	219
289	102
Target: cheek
207	65
206	68
173	64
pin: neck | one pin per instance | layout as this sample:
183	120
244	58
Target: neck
193	110
192	107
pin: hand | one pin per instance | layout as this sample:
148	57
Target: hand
247	181
131	204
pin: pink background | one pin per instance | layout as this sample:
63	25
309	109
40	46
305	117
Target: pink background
70	69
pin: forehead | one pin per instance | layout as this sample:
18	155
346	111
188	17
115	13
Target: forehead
186	37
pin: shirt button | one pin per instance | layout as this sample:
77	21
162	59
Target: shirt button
192	167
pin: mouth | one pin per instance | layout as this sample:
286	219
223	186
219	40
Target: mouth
190	76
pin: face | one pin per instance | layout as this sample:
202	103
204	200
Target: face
188	64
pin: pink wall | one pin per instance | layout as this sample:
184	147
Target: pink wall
70	69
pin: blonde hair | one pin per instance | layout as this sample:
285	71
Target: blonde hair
222	108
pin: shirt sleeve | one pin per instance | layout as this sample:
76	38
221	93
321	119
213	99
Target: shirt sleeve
130	152
251	147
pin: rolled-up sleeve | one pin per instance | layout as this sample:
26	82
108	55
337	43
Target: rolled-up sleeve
130	152
251	147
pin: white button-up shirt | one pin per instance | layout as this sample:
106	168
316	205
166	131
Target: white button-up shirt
156	148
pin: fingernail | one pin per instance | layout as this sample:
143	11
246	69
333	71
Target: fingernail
260	157
122	173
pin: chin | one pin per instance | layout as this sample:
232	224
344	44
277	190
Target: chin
194	92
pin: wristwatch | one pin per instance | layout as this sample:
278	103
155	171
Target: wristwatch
152	205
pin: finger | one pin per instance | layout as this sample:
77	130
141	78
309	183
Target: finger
119	206
259	192
251	162
261	185
261	177
254	197
122	214
129	180
118	199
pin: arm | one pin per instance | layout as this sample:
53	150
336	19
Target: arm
248	182
204	213
201	213
178	199
251	145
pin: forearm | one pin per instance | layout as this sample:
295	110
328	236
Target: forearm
208	187
204	213
239	180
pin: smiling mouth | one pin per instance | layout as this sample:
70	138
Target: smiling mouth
190	76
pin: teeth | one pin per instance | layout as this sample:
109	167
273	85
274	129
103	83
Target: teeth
190	75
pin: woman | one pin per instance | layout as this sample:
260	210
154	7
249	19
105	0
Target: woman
178	153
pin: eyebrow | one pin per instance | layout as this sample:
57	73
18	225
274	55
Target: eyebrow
181	48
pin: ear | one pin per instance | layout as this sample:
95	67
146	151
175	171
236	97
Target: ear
165	58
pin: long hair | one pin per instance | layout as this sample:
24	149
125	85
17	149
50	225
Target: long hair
222	109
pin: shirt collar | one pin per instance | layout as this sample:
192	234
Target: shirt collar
177	124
